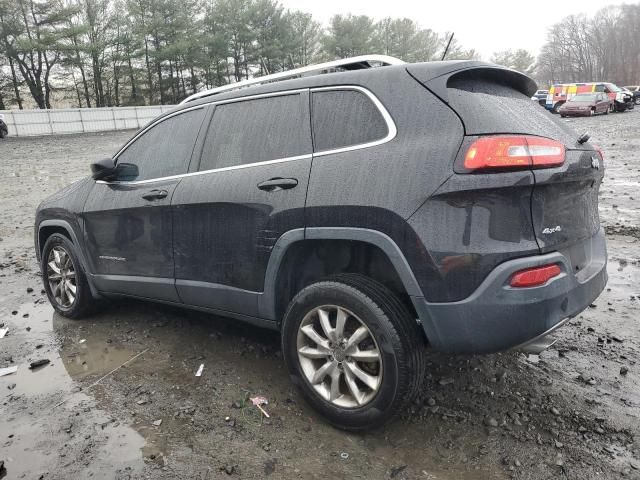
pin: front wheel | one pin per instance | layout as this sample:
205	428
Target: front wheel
354	350
64	279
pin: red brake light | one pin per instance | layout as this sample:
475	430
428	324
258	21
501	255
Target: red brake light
599	150
532	277
514	151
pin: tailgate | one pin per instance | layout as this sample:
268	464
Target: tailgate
564	203
492	100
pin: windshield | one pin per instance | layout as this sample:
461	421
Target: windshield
586	97
613	87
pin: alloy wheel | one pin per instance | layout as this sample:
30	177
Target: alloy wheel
61	275
339	356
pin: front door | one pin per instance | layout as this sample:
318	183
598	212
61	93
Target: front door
128	222
250	189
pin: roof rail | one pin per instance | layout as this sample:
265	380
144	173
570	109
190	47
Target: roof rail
353	63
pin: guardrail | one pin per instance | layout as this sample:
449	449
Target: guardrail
24	123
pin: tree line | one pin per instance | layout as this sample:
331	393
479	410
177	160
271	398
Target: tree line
142	52
604	47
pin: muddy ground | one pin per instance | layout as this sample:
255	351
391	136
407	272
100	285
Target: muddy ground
571	413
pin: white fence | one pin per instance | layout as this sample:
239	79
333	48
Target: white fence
77	120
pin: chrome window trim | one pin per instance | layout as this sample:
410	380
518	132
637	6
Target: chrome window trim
392	130
391	134
203	172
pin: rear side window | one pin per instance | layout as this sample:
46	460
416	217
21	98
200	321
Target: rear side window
343	118
258	130
165	149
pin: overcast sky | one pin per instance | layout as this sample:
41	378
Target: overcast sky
486	25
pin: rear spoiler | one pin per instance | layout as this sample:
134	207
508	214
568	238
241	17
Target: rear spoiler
436	75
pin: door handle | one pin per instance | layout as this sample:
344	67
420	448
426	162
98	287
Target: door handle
155	194
277	183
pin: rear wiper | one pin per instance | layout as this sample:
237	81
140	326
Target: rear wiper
584	138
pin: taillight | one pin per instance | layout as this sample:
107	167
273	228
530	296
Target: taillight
599	150
513	151
532	277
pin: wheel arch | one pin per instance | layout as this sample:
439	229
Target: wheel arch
46	228
271	303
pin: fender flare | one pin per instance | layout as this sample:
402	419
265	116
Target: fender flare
79	251
267	302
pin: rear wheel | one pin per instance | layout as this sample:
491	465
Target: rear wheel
64	280
556	107
636	100
354	350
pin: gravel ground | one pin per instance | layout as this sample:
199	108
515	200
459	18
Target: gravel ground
571	413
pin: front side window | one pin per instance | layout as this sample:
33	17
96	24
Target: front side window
256	130
344	118
165	149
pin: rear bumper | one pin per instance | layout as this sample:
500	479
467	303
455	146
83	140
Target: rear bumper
498	317
575	113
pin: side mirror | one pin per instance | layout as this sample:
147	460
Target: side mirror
106	169
103	169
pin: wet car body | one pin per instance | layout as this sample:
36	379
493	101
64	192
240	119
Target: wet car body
417	196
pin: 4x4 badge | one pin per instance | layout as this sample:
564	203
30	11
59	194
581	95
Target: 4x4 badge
595	163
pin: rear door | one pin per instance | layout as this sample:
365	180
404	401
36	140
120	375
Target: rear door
249	189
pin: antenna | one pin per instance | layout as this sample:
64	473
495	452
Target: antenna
446	50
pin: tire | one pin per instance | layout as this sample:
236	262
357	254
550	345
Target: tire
636	100
60	298
606	111
556	107
392	332
563	116
3	133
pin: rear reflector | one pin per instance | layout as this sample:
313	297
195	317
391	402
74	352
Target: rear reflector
532	277
513	151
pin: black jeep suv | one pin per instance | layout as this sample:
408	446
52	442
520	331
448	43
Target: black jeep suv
366	214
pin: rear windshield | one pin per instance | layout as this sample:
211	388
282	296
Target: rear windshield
488	107
583	98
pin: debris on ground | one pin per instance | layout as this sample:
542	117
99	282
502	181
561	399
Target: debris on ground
8	370
39	363
3	332
200	369
258	402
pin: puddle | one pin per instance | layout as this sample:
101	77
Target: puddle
48	422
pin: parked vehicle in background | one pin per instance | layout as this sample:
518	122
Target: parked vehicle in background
635	90
586	104
540	96
366	215
4	129
560	93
